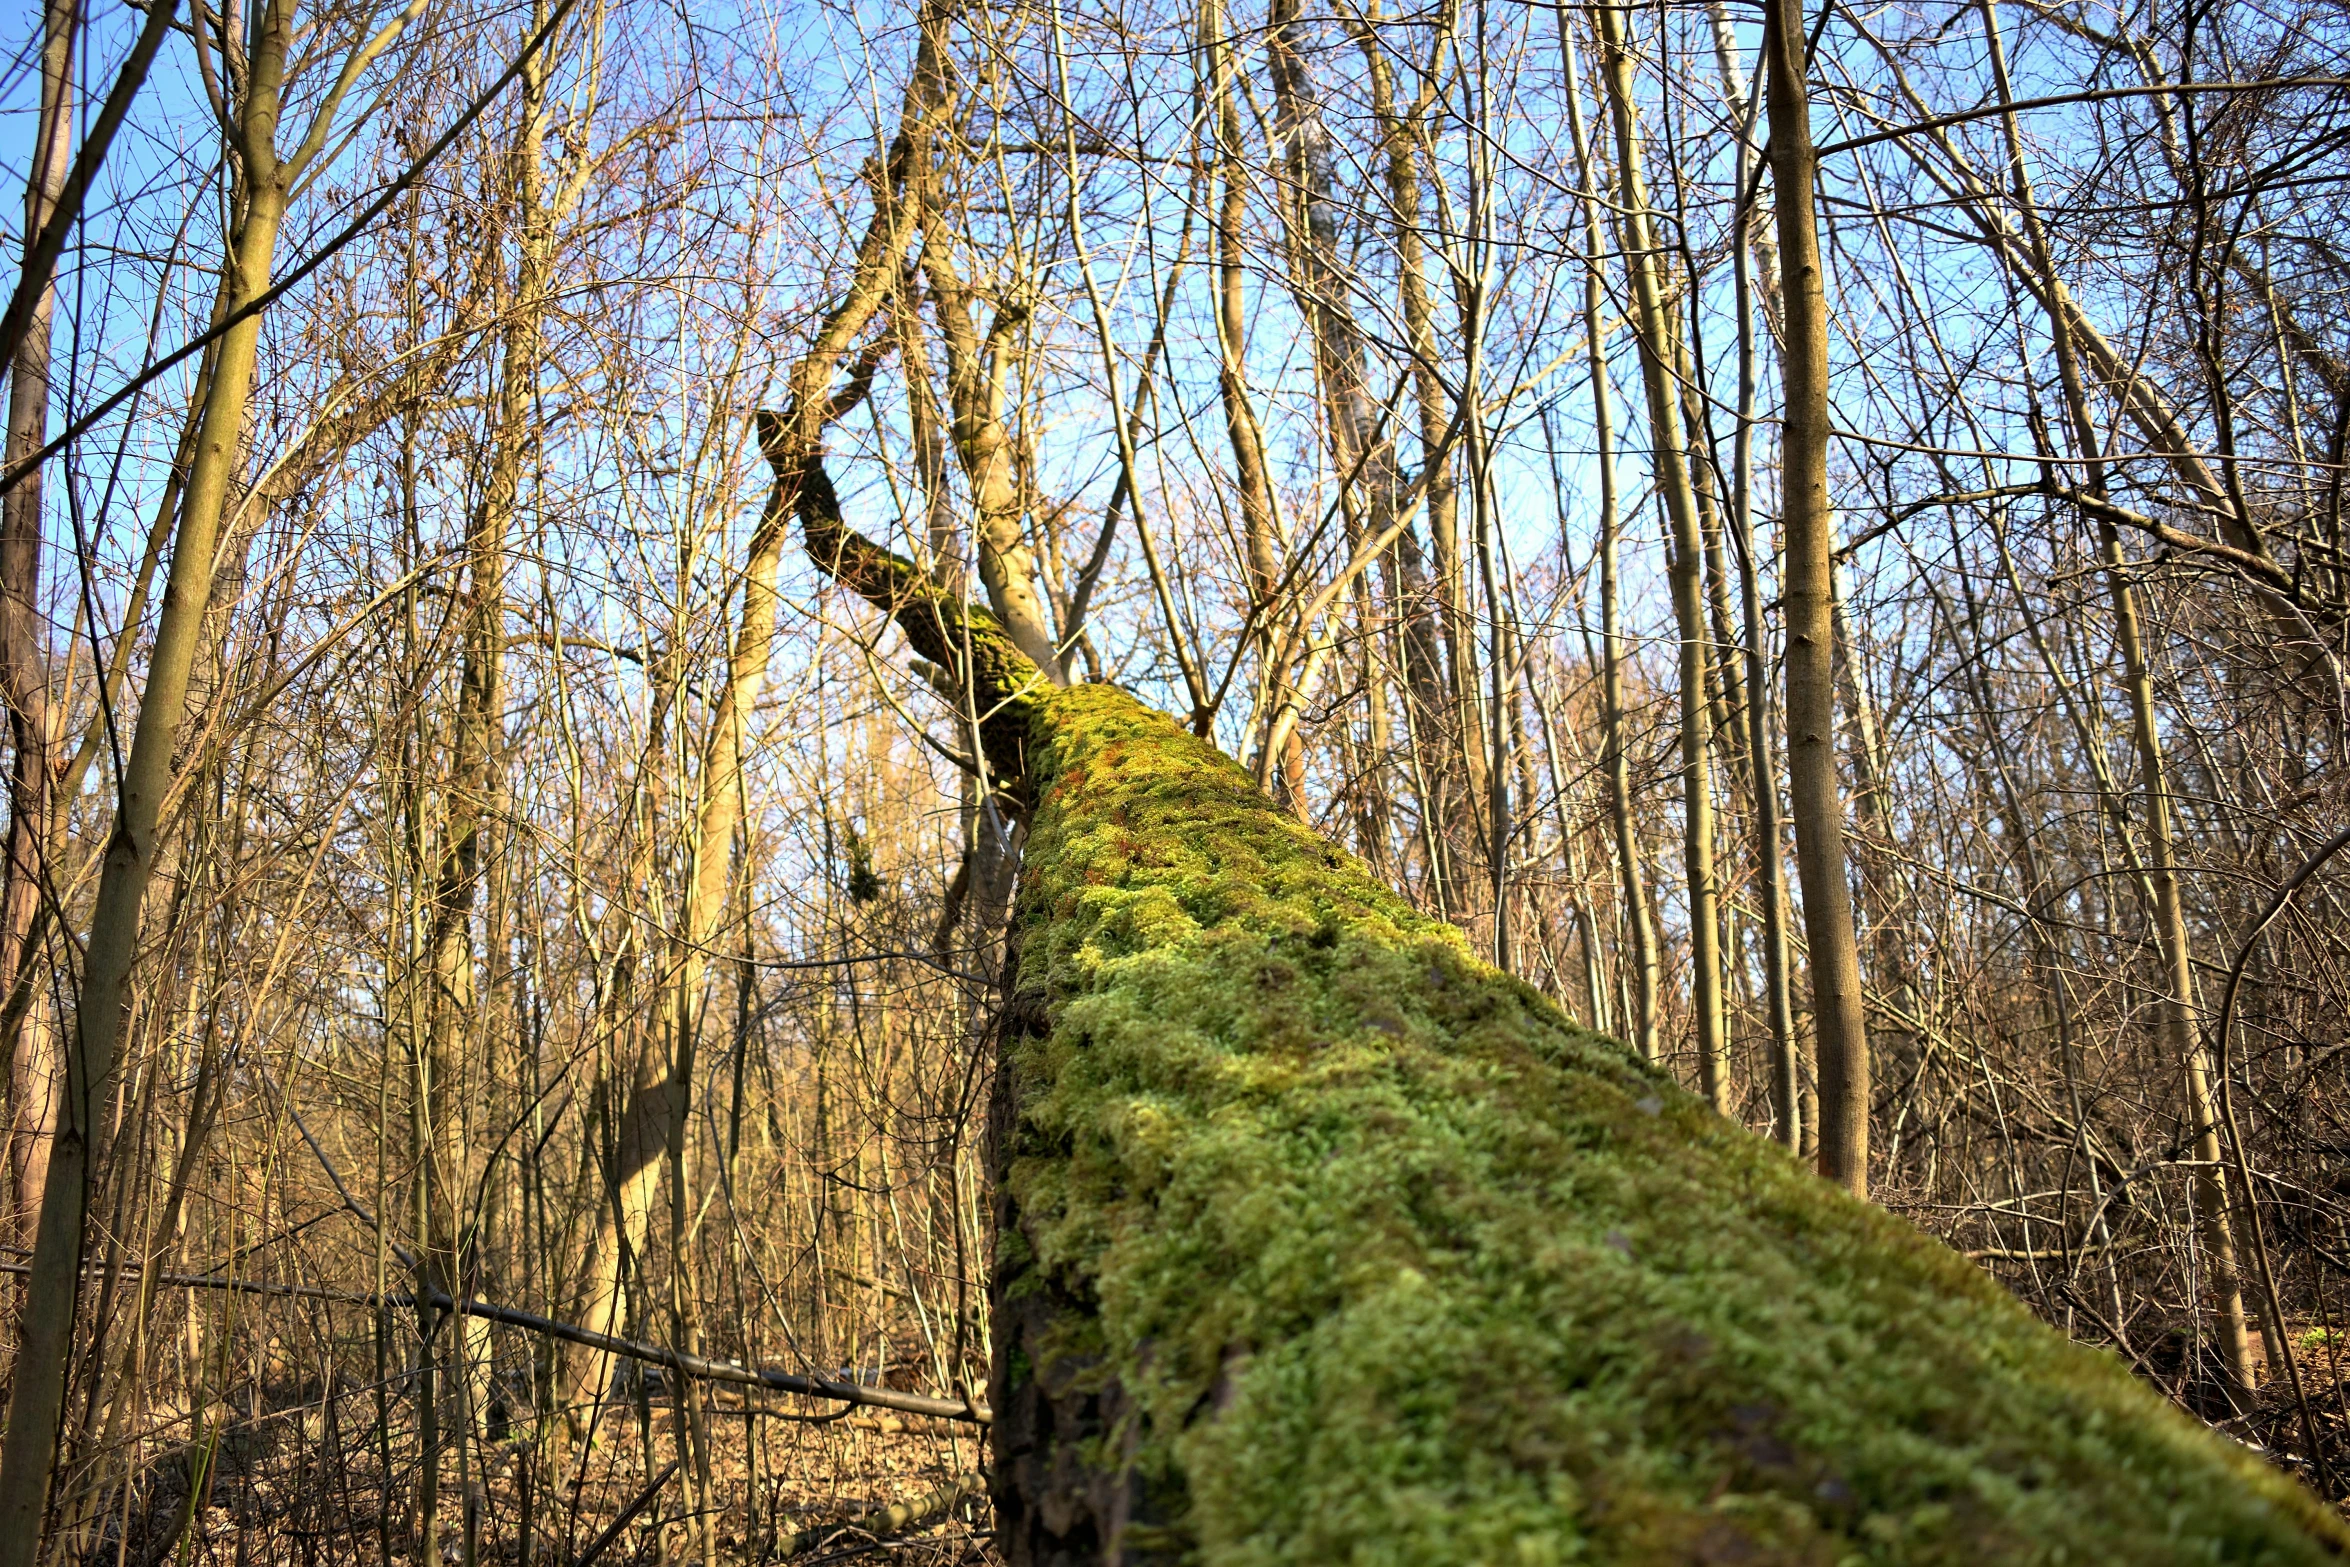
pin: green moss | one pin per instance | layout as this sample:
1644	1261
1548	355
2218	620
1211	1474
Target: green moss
1395	1265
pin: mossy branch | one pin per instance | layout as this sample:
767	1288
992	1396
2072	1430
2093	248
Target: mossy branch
998	681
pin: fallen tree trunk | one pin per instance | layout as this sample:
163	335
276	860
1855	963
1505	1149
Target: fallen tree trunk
1320	1241
884	1520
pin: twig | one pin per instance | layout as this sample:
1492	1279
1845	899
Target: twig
644	1499
696	1366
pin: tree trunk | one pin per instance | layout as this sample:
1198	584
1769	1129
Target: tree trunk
1640	927
1402	134
476	785
2180	1042
1318	1239
1658	334
1361	437
979	371
655	1097
53	1288
28	1043
1259	521
1807	523
1752	249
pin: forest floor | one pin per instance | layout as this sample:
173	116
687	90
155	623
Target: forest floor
311	1490
2299	1419
288	1478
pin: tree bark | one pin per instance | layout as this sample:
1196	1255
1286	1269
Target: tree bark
1403	134
1361	436
27	1042
1753	251
1639	925
1658	335
1259	516
1807	524
979	373
53	1288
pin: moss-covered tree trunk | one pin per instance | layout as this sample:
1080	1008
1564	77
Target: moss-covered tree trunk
1320	1241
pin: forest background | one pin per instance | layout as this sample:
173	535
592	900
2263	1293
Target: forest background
510	871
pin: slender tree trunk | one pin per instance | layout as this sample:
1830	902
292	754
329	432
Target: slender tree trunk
1725	676
927	426
1658	335
52	1289
1807	522
2180	1042
27	1042
1259	522
1361	435
1639	925
631	1111
1756	260
1402	132
656	1098
1761	253
979	374
1770	868
476	787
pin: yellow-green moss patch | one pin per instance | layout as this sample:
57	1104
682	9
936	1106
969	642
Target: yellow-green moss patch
1392	1264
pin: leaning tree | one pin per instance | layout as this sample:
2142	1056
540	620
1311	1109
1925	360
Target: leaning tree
1318	1240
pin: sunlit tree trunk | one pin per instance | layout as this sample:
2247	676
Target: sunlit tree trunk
651	1108
1360	439
2180	1042
980	370
28	1042
1632	881
1807	522
1658	335
52	1289
473	810
1403	134
1258	510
